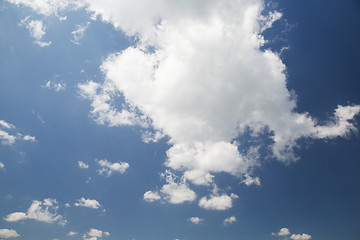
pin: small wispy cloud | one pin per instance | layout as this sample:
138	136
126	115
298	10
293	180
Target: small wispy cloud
36	29
79	33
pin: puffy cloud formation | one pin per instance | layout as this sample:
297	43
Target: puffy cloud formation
89	203
94	234
303	236
108	168
283	232
150	196
8	135
196	220
45	211
217	202
83	165
198	74
37	30
286	232
230	220
8	233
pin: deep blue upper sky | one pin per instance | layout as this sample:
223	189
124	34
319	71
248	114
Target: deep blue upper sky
317	195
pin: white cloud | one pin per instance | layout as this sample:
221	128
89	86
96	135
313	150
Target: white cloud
15	217
303	236
176	192
45	211
251	181
71	233
8	233
196	220
108	168
49	7
78	34
57	86
230	220
67	205
83	165
2	166
90	203
8	135
37	30
283	232
205	83
6	124
94	234
150	196
217	202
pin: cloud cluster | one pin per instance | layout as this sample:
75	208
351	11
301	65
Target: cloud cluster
83	165
57	86
198	75
108	168
89	203
36	29
8	233
230	220
8	135
196	220
94	234
286	232
45	211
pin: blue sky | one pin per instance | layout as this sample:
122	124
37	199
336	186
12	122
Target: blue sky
167	120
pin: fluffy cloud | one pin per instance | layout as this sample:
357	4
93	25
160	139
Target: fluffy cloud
196	220
203	83
251	181
282	232
90	203
230	220
108	168
150	196
217	202
45	211
37	30
303	236
8	233
78	33
57	86
8	135
83	165
286	232
49	7
94	234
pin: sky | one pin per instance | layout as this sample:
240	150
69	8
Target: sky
189	120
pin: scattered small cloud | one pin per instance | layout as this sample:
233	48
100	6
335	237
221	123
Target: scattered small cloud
230	220
9	135
57	86
196	220
71	233
283	232
83	165
303	236
8	233
89	203
217	202
2	166
45	211
286	232
36	29
151	196
251	181
109	168
79	32
94	234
